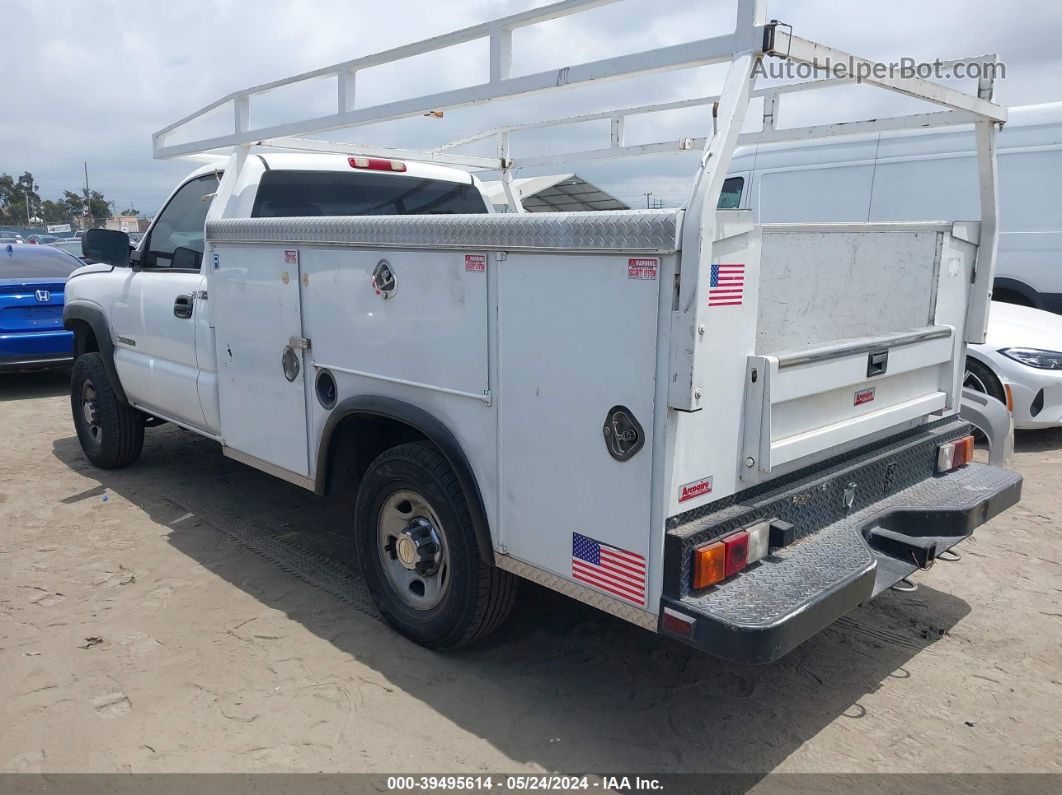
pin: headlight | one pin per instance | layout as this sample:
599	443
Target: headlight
1033	357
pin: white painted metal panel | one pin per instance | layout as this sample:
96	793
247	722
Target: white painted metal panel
255	295
431	331
155	352
820	284
577	336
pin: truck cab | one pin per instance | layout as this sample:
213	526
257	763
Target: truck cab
156	308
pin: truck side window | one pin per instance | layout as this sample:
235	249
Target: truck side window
180	225
730	196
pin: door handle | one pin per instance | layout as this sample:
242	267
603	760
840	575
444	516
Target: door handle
182	306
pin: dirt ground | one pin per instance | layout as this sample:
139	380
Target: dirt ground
192	614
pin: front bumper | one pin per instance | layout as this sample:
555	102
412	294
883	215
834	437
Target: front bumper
902	516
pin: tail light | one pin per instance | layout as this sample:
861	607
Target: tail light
952	455
709	564
720	559
737	552
376	164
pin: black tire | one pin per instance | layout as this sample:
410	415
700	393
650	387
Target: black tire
478	596
115	436
982	379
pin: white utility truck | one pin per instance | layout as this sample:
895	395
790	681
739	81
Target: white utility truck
597	402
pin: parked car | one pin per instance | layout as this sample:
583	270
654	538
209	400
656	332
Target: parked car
1022	354
32	287
8	237
41	239
72	246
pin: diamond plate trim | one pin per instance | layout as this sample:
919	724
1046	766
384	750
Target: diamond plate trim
621	230
793	576
582	593
811	499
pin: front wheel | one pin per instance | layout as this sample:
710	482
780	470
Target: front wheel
981	379
418	551
111	433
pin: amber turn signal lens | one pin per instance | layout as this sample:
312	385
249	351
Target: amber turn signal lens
709	564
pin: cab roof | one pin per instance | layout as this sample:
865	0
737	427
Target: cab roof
301	161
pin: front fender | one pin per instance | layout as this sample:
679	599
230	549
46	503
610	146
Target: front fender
77	312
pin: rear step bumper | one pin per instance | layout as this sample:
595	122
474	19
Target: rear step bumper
773	606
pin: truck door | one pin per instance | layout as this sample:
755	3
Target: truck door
261	361
154	314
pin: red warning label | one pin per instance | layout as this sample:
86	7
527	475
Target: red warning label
476	262
642	268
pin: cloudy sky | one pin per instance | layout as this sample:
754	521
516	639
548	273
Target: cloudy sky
91	80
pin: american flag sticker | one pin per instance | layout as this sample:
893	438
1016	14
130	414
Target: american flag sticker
726	285
614	570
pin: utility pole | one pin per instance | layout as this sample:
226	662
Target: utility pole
87	214
647	195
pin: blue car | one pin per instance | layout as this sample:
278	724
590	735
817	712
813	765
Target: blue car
32	282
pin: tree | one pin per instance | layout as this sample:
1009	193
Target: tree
131	211
99	208
20	200
18	197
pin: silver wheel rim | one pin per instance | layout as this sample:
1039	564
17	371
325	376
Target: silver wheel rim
971	380
405	512
89	411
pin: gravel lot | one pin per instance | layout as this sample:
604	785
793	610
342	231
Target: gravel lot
192	614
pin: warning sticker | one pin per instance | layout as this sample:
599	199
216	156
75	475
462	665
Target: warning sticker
642	268
291	256
697	488
864	396
476	263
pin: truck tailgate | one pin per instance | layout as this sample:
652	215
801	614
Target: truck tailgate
859	333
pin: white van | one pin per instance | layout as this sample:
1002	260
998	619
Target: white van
924	174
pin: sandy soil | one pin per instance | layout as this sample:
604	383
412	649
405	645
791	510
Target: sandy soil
192	614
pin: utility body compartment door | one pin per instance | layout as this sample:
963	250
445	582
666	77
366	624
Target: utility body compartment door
578	338
254	290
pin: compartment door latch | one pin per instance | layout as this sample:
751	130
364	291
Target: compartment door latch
623	433
877	362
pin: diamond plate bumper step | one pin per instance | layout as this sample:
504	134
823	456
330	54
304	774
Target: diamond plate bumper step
793	593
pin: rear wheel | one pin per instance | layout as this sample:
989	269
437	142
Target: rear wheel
111	433
418	552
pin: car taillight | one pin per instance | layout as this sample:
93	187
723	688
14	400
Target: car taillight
952	455
376	163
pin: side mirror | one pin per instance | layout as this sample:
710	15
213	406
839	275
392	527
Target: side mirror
186	259
106	245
